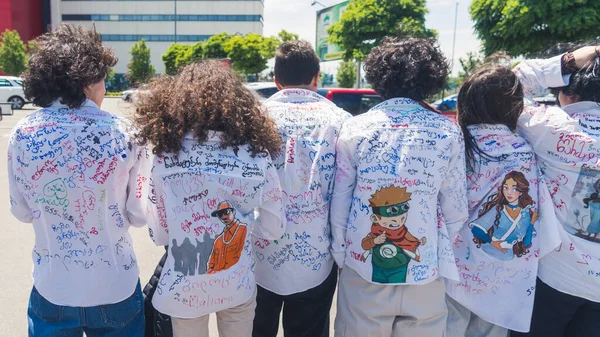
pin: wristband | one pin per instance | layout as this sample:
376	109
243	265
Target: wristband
567	64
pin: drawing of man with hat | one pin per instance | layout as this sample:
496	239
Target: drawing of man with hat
229	245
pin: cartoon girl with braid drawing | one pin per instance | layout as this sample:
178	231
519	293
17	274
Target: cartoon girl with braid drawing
504	228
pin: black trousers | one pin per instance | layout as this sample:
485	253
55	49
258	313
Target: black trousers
557	314
305	314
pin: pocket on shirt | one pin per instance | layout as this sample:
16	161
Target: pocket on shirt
122	313
44	309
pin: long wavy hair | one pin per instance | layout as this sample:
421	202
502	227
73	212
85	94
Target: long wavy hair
491	95
204	96
497	201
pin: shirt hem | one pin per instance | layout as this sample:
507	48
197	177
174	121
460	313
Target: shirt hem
159	307
551	284
42	290
285	293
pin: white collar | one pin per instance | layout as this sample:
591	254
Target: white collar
87	103
581	107
213	136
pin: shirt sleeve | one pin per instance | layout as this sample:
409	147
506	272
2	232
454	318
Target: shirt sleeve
540	125
137	188
453	192
18	205
269	215
547	225
157	215
537	75
343	192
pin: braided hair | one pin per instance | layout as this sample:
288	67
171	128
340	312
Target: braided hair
497	201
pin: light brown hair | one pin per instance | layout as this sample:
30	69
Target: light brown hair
391	195
203	97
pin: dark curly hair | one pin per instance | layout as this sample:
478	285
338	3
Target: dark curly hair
204	96
64	62
406	67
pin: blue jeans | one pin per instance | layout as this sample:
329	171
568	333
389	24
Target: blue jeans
123	319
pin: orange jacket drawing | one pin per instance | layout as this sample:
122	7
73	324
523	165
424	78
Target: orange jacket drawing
228	247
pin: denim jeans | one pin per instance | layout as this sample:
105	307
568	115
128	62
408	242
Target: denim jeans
122	319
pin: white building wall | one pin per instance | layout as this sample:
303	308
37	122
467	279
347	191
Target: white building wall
162	28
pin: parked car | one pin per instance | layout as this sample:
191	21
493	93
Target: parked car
355	101
447	104
11	91
262	90
129	95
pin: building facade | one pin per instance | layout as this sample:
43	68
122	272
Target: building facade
159	22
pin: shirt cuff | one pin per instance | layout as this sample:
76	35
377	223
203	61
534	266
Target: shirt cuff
552	70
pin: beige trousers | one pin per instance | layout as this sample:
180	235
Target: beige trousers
232	322
463	323
366	309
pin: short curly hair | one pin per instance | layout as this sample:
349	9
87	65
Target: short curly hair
406	67
204	96
64	62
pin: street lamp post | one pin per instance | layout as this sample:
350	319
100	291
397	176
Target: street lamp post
317	3
175	18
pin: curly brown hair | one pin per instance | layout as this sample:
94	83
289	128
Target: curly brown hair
203	97
64	62
406	67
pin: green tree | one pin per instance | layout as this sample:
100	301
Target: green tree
140	69
174	54
248	53
13	59
365	22
190	54
269	47
214	47
469	63
346	74
286	36
526	27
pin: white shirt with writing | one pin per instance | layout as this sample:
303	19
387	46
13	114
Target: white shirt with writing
567	144
399	148
205	203
509	205
309	125
77	175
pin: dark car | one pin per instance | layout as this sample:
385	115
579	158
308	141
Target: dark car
358	101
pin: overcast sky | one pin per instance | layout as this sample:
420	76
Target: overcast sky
297	16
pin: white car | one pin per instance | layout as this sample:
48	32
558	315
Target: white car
11	90
262	90
131	94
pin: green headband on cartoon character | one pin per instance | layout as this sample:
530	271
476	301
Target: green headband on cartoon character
391	210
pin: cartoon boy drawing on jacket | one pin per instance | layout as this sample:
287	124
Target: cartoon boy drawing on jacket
229	245
389	242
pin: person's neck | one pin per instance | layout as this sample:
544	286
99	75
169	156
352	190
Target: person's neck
305	87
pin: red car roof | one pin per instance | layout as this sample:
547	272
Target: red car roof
350	91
